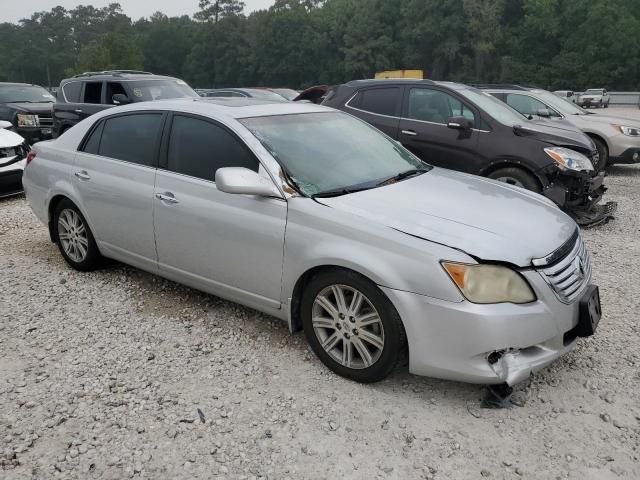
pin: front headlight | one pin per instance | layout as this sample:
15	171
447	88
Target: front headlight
28	120
568	159
628	131
489	283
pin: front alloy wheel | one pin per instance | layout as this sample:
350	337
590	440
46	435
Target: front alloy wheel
352	326
348	326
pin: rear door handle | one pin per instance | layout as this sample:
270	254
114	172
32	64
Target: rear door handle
83	175
168	198
411	133
78	110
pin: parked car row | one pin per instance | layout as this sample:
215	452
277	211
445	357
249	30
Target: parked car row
617	139
286	204
462	128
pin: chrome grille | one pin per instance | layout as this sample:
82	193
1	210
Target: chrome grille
569	275
46	122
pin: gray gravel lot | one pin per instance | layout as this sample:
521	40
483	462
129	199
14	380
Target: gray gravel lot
118	374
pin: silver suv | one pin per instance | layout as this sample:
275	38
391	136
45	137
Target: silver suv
617	139
315	217
594	97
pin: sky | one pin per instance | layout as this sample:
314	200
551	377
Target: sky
14	10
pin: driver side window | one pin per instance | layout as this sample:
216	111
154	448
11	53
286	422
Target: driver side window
435	106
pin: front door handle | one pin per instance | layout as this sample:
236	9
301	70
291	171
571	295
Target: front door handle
83	175
167	197
411	133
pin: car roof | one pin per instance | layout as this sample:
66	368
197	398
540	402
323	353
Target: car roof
117	75
405	81
388	81
229	107
14	84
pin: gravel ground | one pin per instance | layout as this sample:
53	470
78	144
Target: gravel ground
118	374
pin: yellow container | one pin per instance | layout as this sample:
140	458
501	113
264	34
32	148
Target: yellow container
419	74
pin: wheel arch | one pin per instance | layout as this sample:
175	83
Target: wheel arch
54	201
295	320
513	163
598	136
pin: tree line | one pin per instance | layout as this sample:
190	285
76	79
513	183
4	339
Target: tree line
556	44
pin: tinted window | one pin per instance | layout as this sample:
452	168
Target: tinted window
114	88
92	144
436	106
72	91
527	105
383	101
93	92
132	138
198	148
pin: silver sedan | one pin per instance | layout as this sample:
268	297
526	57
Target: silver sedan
313	216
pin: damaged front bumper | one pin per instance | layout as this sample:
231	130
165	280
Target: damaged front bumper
486	344
579	195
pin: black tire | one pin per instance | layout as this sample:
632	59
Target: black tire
518	177
92	259
395	343
603	154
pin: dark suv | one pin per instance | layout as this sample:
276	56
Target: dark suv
462	128
88	93
28	108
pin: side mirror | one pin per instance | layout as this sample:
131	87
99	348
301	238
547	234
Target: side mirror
544	113
5	125
242	181
460	123
120	99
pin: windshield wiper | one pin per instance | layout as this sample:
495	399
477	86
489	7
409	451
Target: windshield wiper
339	191
401	176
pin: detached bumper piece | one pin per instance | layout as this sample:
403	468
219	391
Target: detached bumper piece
596	215
579	194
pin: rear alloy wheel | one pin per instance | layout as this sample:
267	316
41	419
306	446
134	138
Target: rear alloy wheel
74	238
516	177
351	326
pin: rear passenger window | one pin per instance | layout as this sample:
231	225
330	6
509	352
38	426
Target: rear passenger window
93	92
383	101
92	144
132	138
72	91
198	148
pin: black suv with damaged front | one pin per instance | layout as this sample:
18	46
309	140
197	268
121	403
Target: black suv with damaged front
29	110
462	128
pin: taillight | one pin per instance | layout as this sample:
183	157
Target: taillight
30	156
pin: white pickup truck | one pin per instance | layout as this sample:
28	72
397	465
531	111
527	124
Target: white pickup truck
594	97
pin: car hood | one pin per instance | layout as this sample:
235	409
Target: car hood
36	108
9	139
488	220
550	132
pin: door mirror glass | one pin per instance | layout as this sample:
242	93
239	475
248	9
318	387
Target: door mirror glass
120	99
242	181
460	123
543	112
5	125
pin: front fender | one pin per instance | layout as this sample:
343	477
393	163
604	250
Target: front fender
319	236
